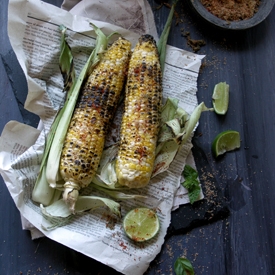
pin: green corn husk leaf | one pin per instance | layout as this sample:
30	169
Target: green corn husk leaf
193	121
50	222
58	214
89	203
164	36
169	109
66	65
66	62
174	133
166	153
173	119
106	177
106	174
117	194
42	192
101	181
170	112
52	171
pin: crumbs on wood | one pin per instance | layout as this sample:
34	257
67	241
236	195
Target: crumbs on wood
195	44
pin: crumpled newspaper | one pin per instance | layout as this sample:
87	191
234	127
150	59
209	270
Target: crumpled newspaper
134	15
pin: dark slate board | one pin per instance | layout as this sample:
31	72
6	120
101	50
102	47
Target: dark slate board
214	206
14	72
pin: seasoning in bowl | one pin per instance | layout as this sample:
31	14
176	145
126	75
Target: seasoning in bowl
232	10
233	14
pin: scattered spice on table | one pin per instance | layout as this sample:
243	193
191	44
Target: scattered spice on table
232	10
195	44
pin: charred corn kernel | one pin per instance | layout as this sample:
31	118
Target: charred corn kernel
94	111
141	118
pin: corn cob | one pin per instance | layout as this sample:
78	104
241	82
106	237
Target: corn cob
94	111
141	118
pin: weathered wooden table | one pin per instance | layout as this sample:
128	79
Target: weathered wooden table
241	240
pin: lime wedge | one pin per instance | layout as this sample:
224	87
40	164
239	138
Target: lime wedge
226	141
220	98
141	224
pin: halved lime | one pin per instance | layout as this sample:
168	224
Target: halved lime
141	224
220	98
226	141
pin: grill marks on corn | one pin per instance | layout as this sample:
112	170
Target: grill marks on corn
92	116
140	123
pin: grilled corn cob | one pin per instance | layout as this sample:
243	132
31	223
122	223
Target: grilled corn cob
141	118
94	111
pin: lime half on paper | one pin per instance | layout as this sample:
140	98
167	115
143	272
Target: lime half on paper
141	224
220	98
226	141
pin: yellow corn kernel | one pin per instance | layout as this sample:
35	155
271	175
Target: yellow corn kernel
141	118
89	125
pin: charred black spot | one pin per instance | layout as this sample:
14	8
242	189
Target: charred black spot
77	162
146	38
93	120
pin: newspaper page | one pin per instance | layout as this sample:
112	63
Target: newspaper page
35	37
136	15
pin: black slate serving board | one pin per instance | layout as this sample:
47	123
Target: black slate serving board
212	207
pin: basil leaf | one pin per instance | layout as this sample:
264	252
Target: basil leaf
189	172
191	183
194	194
183	266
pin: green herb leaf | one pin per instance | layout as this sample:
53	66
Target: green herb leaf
189	172
183	266
193	194
191	183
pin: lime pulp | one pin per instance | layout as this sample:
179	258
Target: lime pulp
141	224
220	98
226	141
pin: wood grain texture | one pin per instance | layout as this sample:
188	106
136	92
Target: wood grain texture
241	243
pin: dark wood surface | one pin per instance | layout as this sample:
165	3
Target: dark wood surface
239	243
